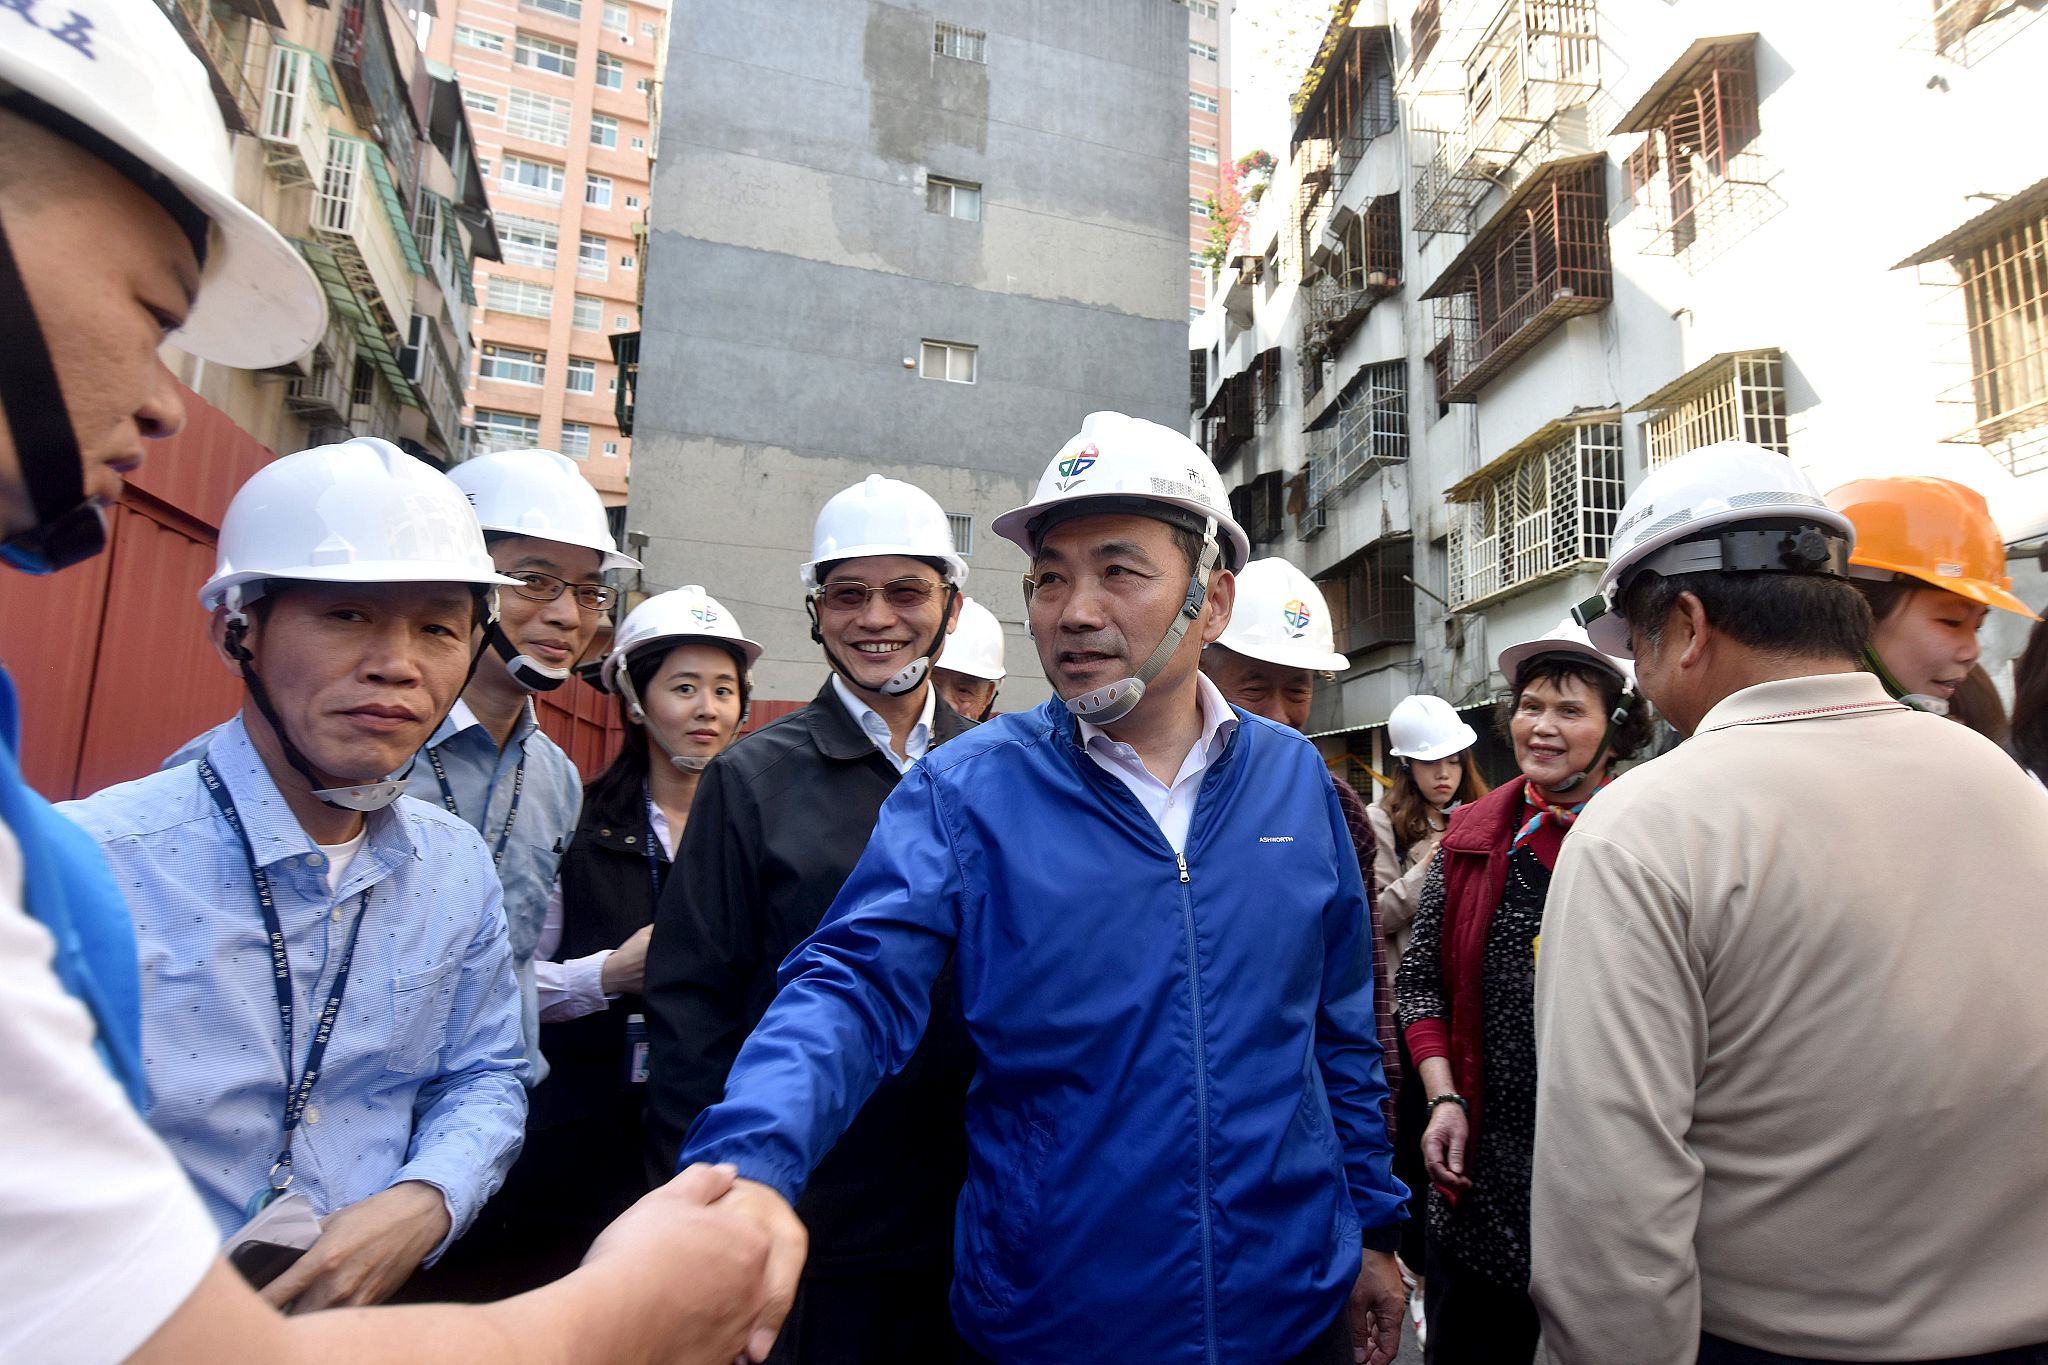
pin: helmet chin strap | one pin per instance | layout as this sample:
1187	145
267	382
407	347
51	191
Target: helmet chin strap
1615	719
688	763
530	673
1919	701
1110	703
904	679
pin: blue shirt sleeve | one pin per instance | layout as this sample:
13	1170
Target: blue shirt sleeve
852	1005
1348	1050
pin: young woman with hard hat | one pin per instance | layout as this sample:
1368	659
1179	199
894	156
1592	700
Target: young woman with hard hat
679	666
1467	987
1931	563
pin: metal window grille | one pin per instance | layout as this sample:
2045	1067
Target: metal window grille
1424	29
567	9
1737	398
962	526
542	118
1266	369
967	44
504	294
527	241
1198	380
1367	432
1543	258
503	431
1699	178
2005	302
1313	167
1365	268
1544	511
1370	599
1260	507
1353	103
1967	31
1228	421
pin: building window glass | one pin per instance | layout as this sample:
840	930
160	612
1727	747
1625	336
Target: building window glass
567	9
604	130
1202	52
504	294
512	365
534	179
954	198
582	376
620	321
611	72
1198	152
527	241
543	118
1207	104
1202	9
597	191
477	102
1370	599
503	431
632	201
576	440
967	44
589	313
952	361
481	39
616	20
626	262
647	28
539	54
591	257
639	144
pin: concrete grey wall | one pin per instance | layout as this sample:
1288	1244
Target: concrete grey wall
793	269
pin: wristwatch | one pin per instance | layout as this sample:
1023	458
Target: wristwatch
1449	1097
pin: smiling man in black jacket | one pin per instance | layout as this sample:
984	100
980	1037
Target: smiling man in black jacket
778	823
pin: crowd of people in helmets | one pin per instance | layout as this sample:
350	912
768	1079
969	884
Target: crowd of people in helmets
900	1029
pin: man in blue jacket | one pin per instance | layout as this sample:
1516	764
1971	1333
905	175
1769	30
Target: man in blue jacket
1156	922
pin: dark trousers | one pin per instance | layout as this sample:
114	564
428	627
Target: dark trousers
1719	1351
1331	1347
1411	1116
884	1317
1473	1321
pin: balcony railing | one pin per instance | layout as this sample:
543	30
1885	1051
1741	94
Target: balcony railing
1547	507
293	130
1368	432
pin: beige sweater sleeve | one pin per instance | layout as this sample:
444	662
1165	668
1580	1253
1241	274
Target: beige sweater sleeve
1396	890
1620	1037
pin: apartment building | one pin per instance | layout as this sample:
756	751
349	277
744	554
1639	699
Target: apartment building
358	150
1210	161
559	94
1522	252
895	239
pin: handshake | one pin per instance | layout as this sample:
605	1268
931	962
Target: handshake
699	1272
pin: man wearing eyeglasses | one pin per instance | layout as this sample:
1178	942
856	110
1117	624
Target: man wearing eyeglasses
778	823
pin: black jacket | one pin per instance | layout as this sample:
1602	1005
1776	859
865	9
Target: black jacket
778	823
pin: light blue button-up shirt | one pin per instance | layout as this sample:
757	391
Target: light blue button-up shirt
423	1078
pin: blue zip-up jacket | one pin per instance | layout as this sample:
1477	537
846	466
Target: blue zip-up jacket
1175	1141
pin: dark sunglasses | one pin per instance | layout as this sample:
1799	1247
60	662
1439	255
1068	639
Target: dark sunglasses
850	595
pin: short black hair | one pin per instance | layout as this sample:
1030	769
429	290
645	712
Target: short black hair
1887	595
1629	737
1793	615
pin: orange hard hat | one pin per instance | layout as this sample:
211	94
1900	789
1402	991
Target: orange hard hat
1934	530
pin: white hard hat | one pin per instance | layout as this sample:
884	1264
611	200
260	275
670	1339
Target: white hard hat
879	516
682	616
1427	728
976	645
1566	637
1665	523
1280	618
362	511
1132	462
539	493
119	68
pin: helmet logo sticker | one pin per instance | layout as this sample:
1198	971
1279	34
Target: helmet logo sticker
1296	614
704	614
1075	465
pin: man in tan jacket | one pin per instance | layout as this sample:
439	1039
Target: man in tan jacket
1778	1119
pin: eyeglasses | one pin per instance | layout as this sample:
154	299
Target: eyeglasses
850	595
545	587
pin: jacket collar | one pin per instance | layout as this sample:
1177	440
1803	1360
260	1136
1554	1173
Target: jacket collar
838	736
1488	824
1825	696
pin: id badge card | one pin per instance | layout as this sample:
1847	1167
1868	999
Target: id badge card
636	1049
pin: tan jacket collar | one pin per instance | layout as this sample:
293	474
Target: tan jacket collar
1821	697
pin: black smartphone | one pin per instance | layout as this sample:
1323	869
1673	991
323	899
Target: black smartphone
262	1262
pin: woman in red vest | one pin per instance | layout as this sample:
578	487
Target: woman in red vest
1467	985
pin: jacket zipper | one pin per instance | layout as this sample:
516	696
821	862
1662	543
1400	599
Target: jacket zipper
1187	904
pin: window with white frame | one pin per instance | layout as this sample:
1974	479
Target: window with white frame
503	431
483	166
954	198
576	440
1206	104
512	364
1202	9
1739	398
567	9
616	18
527	241
588	314
592	256
604	130
1199	152
477	102
1198	205
597	191
611	72
632	201
1202	51
647	28
543	118
626	261
534	179
961	524
582	376
967	44
1546	507
620	321
611	447
952	361
542	54
639	144
482	39
504	294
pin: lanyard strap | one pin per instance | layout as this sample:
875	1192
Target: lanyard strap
655	863
511	811
297	1092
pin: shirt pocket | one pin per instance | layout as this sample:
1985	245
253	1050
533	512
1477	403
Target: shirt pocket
420	1003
